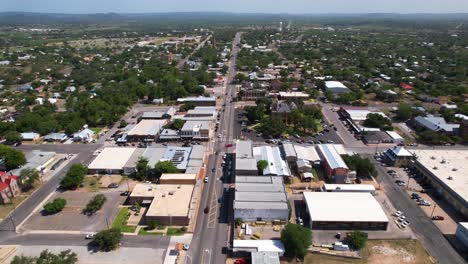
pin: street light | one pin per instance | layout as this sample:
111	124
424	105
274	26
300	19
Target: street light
433	210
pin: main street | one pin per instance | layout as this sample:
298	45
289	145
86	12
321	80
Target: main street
211	233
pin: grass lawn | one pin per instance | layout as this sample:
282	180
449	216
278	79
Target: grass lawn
120	221
174	232
96	130
6	209
144	232
92	183
378	252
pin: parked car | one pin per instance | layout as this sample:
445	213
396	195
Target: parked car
207	209
228	145
405	224
438	218
299	221
124	193
205	180
90	236
113	185
398	213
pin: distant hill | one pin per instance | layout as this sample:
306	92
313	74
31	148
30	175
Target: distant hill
23	18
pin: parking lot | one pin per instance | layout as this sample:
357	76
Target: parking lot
71	218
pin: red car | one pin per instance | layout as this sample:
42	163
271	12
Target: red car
228	145
438	217
207	209
241	261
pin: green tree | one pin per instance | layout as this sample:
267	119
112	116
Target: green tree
378	121
28	176
74	177
142	169
177	124
122	123
108	240
363	166
12	137
164	167
95	204
272	126
262	165
296	240
55	206
46	257
356	239
13	158
404	112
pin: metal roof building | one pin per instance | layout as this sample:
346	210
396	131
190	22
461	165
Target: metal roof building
265	258
336	87
344	210
111	160
274	245
334	165
260	198
276	165
244	149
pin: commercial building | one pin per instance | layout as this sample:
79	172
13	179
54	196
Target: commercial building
260	198
335	167
366	188
179	156
153	155
197	130
265	258
158	114
274	246
38	160
198	101
169	204
308	153
446	171
209	112
336	87
288	152
398	156
376	137
277	166
395	137
146	130
344	211
357	113
178	178
462	234
111	160
245	162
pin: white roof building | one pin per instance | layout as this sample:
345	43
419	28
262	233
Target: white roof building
147	128
111	159
29	136
276	165
259	246
348	188
336	87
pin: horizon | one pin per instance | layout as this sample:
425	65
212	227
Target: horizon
292	7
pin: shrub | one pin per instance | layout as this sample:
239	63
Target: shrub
356	239
95	204
108	240
55	206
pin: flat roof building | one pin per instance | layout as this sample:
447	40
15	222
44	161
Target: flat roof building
169	203
274	245
146	130
344	211
244	149
369	188
178	178
199	101
198	130
111	160
446	171
336	87
37	160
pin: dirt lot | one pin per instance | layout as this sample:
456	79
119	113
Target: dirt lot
379	252
104	42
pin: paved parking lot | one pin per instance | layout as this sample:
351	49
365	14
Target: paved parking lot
72	218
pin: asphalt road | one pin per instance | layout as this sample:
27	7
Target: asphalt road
181	63
423	227
210	238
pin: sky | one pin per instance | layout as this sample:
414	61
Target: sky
237	6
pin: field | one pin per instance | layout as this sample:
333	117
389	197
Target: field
121	221
380	252
107	42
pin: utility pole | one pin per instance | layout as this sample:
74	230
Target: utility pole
107	222
433	210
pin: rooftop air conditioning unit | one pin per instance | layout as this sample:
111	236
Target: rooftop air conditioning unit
454	169
435	168
450	178
171	193
443	161
432	157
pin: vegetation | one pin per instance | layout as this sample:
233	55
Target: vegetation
46	257
363	166
55	206
164	167
95	204
74	177
13	158
176	124
356	239
142	169
296	240
120	221
108	240
378	121
28	177
262	165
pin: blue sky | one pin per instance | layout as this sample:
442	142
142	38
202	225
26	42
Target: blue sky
249	6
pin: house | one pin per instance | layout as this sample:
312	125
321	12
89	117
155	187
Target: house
86	135
398	156
30	136
24	87
60	137
406	86
70	89
5	63
282	109
434	124
8	187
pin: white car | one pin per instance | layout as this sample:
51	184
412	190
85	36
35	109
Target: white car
405	224
398	213
186	247
402	218
206	179
90	236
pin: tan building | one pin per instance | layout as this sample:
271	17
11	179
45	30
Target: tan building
178	178
169	204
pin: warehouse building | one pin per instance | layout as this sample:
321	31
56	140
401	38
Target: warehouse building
111	161
146	130
446	171
260	198
198	101
335	167
344	211
336	87
277	166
